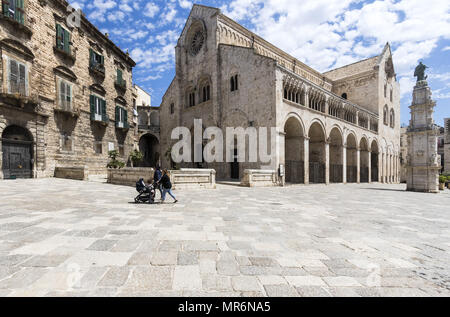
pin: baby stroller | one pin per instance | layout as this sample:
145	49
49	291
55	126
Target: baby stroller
146	193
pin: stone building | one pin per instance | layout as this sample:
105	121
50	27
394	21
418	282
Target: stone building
148	129
340	126
65	95
403	153
441	147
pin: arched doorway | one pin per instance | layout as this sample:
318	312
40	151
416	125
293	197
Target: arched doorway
17	152
316	154
336	158
374	161
352	168
364	161
149	146
294	151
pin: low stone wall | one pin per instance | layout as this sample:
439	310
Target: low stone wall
80	173
129	176
259	178
193	178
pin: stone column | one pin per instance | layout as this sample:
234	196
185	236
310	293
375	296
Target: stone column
358	165
327	162
382	168
370	165
344	163
306	159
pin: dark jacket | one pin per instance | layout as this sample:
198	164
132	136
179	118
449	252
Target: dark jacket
157	176
165	181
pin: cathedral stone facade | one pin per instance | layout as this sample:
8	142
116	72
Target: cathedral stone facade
336	127
66	93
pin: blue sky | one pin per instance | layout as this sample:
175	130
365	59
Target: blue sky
322	33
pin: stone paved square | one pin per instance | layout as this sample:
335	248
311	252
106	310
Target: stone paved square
70	238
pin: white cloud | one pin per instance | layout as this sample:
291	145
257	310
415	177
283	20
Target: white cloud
151	10
185	4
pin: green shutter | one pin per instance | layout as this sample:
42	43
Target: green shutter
5	7
125	116
58	36
117	115
104	115
91	57
92	100
119	76
19	13
66	41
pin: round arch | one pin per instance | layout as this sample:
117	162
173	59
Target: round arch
352	167
336	141
149	146
294	150
317	157
17	148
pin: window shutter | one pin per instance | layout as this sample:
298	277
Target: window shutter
62	92
58	36
92	101
236	82
91	57
13	76
117	115
102	60
125	116
119	76
22	79
69	93
104	115
5	7
66	41
20	12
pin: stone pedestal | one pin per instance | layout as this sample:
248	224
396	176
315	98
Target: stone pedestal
423	162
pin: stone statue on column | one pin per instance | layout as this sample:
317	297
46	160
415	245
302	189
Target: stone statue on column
422	161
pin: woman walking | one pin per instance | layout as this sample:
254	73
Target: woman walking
166	187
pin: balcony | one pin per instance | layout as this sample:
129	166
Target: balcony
97	69
101	119
69	54
65	107
149	128
14	25
122	125
120	84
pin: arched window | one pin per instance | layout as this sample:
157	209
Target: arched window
234	85
392	118
344	95
385	115
172	108
205	90
191	98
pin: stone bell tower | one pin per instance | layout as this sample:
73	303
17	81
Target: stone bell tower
423	162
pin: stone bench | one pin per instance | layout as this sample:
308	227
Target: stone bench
193	178
80	173
259	178
130	175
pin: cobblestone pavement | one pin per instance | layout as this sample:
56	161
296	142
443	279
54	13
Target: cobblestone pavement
70	238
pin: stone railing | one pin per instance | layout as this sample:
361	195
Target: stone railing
80	173
193	178
259	178
129	176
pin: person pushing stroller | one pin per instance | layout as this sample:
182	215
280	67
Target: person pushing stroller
156	178
166	186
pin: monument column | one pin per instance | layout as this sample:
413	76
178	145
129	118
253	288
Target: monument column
423	162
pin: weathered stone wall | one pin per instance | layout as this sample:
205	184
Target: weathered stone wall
129	176
47	67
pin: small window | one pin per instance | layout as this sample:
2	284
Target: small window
234	85
392	118
206	93
385	115
14	9
391	95
121	117
63	39
98	147
98	109
172	108
65	95
96	61
119	80
191	99
17	78
344	96
385	91
66	143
